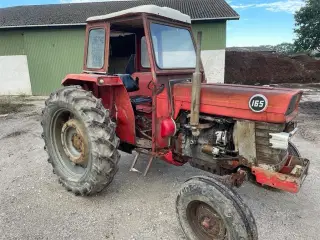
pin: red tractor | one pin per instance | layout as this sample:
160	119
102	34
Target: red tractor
143	88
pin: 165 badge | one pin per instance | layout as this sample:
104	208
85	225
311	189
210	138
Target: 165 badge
258	103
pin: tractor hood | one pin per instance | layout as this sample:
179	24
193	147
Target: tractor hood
266	104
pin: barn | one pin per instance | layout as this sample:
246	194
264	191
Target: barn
40	44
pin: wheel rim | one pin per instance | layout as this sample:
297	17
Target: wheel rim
205	222
70	143
73	142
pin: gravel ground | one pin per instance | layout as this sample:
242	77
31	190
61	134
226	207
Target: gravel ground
34	206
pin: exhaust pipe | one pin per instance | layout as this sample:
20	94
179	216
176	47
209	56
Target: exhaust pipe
196	90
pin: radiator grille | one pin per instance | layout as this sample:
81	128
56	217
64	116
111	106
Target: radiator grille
264	153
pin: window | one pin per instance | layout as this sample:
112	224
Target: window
96	48
173	47
144	52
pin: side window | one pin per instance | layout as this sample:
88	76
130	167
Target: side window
96	48
144	52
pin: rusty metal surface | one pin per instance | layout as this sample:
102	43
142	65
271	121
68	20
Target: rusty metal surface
264	153
206	223
288	179
74	142
207	149
235	179
143	126
196	89
143	143
244	140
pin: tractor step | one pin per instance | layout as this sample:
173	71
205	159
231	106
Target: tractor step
133	169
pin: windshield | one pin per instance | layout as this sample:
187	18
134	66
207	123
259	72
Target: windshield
173	47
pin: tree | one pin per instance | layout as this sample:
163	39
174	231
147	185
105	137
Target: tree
285	48
308	27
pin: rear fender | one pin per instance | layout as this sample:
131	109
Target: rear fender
97	79
114	97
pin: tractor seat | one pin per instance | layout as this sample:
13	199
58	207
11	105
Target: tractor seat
141	104
137	100
129	83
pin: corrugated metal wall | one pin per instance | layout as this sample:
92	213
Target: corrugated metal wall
11	43
214	34
52	53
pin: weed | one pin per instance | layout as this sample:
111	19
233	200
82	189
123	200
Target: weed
7	105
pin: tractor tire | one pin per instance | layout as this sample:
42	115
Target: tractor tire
208	209
293	150
80	140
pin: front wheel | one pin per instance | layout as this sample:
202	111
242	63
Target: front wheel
293	150
80	140
207	209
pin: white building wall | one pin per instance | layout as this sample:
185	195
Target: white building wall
214	65
14	75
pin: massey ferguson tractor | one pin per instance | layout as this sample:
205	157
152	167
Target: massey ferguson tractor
143	89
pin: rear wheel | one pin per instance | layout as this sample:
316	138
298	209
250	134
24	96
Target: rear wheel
80	140
207	209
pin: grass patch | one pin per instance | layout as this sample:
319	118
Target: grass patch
8	105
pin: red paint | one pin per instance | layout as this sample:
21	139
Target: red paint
168	127
144	79
168	157
93	78
120	104
232	101
162	113
284	179
277	180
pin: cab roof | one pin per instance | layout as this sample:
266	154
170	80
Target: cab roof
149	9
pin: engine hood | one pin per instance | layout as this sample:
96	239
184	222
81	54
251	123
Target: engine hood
235	100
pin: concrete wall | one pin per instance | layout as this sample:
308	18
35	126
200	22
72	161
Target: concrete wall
214	65
14	75
213	49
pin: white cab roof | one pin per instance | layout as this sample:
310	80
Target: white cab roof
151	9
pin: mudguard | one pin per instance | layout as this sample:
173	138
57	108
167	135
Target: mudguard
114	97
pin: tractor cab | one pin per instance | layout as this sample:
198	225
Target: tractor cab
138	40
142	47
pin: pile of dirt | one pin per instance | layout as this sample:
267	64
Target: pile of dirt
309	62
254	68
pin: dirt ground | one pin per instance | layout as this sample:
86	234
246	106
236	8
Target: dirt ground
34	206
258	68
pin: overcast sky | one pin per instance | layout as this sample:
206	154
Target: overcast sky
262	21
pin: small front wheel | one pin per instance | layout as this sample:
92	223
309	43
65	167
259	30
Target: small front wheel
293	150
207	209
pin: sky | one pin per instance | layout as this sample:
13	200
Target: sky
262	22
